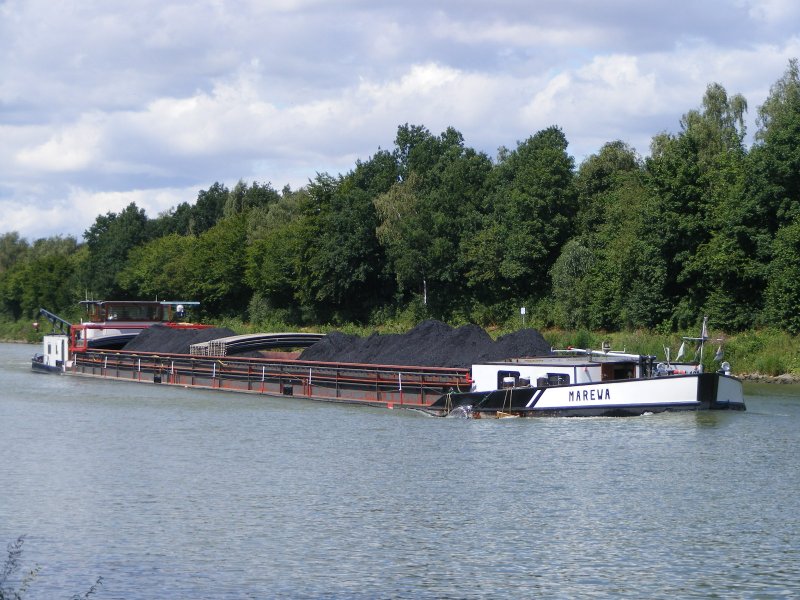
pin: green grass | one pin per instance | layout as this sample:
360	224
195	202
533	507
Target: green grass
22	331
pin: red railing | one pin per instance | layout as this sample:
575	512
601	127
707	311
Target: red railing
349	382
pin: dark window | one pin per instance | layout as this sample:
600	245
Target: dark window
504	379
615	371
557	379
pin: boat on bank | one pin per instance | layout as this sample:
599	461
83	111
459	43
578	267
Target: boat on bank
572	382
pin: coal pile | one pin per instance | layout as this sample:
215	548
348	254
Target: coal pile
430	344
524	342
160	338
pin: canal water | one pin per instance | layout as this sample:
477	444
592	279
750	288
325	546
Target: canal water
175	493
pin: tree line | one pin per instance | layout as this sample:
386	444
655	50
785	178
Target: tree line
433	228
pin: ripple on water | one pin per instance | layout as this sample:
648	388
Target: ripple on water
176	493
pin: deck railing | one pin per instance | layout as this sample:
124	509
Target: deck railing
346	382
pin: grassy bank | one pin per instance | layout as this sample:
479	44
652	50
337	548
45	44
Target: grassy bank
20	331
765	352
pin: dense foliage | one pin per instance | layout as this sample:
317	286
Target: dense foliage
432	228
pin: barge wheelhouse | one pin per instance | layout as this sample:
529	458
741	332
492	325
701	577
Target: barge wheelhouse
111	324
107	325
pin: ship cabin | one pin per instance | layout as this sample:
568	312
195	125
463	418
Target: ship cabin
556	370
54	355
111	324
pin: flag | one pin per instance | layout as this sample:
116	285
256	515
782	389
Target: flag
718	356
681	352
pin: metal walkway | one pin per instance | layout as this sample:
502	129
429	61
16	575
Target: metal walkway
237	344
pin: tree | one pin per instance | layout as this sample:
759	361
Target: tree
208	209
696	181
597	181
426	215
775	164
217	268
272	266
783	291
175	220
12	249
243	198
110	239
47	282
162	268
278	236
531	206
345	267
46	277
417	150
399	233
610	198
569	283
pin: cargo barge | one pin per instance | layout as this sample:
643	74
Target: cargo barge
566	383
376	385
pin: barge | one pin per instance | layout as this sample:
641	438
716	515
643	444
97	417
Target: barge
590	383
565	383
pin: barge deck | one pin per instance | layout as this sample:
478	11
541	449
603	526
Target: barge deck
368	384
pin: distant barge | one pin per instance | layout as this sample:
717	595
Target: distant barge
570	383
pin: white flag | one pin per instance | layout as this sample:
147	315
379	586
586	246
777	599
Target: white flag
681	352
718	356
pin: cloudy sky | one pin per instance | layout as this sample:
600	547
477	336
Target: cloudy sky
103	103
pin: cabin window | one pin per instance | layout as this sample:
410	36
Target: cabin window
504	379
552	379
126	311
557	379
615	371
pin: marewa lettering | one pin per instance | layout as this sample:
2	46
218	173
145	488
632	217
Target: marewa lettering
592	395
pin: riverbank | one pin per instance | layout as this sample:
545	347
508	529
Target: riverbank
786	378
764	355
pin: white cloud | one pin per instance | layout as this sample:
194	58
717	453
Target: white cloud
773	11
71	148
101	105
523	34
76	209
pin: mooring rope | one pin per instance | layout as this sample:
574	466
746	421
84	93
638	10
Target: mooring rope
506	396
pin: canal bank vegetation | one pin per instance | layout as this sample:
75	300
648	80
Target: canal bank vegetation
769	354
705	225
754	354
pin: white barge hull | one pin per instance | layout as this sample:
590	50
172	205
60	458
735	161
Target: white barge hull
703	391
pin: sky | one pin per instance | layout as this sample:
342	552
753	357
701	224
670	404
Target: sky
150	101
